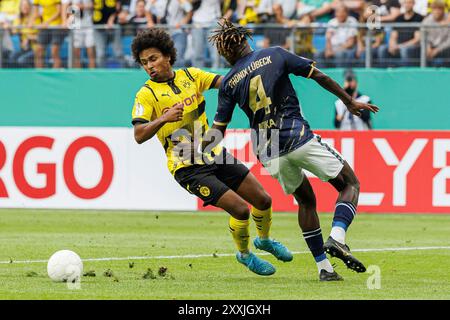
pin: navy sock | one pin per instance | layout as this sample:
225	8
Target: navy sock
314	241
344	214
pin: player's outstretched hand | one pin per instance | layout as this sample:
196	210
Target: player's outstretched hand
174	114
355	107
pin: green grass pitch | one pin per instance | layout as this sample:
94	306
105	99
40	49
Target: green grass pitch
201	263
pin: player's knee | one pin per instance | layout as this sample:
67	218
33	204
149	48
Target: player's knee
355	185
241	212
352	181
263	202
306	200
310	202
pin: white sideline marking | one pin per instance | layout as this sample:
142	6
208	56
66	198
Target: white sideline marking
226	255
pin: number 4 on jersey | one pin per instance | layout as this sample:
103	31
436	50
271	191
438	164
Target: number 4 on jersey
258	98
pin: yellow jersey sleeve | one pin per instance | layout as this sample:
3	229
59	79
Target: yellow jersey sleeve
204	80
143	107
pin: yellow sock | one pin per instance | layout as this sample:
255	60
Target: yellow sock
263	220
240	231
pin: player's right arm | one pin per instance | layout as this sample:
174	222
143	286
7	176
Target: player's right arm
146	131
146	125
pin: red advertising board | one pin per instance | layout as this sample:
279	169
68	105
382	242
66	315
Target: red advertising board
399	171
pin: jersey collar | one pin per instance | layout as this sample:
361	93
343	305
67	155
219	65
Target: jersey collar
168	80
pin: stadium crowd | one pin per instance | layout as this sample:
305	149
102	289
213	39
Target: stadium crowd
36	33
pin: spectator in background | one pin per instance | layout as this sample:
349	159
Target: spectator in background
308	11
229	8
24	58
340	41
67	13
50	32
204	19
273	11
137	20
138	17
179	14
388	10
446	2
355	7
105	15
176	14
345	120
9	12
131	15
285	10
127	10
282	12
404	43
83	33
377	36
315	10
438	39
249	11
156	12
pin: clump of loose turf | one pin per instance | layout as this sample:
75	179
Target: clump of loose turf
162	273
90	273
31	274
149	274
108	273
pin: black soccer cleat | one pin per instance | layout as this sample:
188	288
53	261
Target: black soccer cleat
342	251
329	276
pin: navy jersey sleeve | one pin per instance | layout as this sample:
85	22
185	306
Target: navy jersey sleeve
225	107
295	64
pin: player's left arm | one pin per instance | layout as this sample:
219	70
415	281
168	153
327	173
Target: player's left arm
332	86
304	67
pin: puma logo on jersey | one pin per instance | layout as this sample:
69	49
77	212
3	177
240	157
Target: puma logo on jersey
165	95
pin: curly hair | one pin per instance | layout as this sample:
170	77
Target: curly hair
154	38
229	39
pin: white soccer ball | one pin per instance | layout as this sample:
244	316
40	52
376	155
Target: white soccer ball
65	266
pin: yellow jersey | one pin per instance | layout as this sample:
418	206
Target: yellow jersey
27	33
154	98
49	8
10	8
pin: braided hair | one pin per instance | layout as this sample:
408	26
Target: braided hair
229	39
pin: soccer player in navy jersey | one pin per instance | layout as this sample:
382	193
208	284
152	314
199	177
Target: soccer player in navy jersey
283	140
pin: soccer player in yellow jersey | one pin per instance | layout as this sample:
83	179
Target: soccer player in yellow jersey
171	106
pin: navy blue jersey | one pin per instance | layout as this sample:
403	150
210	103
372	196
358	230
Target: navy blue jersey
259	83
